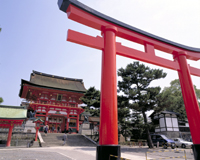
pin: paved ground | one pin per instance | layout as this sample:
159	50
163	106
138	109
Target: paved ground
130	152
84	153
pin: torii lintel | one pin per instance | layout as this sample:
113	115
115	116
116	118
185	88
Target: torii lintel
85	15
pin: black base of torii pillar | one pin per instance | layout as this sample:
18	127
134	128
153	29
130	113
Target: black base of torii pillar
106	151
196	151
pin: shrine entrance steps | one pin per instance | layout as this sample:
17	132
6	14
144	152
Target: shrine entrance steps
55	139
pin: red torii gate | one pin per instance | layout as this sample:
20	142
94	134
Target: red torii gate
10	123
110	28
11	116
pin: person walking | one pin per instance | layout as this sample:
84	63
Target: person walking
70	130
45	130
52	129
58	129
64	138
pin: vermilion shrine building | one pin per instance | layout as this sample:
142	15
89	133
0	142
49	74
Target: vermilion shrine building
55	99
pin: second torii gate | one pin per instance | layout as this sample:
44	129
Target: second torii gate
110	28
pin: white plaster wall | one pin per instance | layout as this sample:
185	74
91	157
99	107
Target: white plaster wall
175	122
168	122
162	122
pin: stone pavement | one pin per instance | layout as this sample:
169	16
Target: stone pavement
131	152
80	153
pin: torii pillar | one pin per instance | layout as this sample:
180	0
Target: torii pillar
108	133
9	135
190	101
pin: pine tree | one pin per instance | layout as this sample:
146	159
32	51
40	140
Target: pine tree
136	79
127	121
92	99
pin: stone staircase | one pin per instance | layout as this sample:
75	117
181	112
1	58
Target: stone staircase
55	139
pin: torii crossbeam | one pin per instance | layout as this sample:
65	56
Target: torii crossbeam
110	28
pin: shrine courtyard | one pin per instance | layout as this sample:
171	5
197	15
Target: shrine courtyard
83	153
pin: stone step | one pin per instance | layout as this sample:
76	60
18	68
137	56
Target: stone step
55	139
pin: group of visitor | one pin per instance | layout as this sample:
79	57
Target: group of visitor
46	128
51	129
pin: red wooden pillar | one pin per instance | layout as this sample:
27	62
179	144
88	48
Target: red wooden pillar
36	134
77	123
67	125
190	101
46	117
108	115
9	135
108	138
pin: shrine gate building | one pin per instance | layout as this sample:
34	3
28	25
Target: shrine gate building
55	100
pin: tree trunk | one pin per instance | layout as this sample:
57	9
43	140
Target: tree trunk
147	131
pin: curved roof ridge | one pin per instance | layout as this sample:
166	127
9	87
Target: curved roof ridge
54	76
63	5
15	107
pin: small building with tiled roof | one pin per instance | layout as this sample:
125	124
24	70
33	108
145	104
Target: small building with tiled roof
167	123
11	116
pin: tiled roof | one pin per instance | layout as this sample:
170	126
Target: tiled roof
54	82
13	112
57	81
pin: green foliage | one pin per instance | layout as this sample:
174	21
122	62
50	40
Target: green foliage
123	113
127	121
136	79
138	125
92	99
124	121
95	112
137	95
173	95
1	100
125	128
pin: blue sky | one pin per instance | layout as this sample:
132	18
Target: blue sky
33	37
